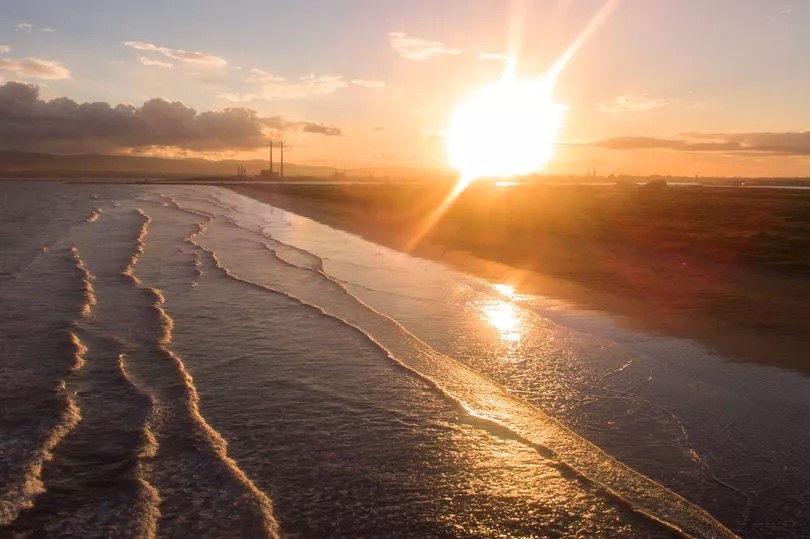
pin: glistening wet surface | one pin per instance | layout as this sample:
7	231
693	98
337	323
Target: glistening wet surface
183	360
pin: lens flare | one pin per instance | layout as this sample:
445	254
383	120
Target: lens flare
507	128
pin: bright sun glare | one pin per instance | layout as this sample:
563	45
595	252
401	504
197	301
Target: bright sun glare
505	129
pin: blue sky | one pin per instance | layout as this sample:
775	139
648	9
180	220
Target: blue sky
388	73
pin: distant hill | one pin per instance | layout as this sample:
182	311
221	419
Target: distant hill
38	165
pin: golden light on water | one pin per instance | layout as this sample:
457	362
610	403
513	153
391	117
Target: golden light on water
504	317
506	289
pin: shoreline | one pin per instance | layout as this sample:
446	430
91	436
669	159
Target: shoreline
749	315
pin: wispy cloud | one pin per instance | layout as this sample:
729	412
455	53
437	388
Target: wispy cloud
633	103
154	63
268	85
28	28
178	54
368	83
310	86
260	75
276	87
35	68
237	98
414	48
5	48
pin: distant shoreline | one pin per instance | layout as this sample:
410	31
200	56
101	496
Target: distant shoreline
27	171
749	309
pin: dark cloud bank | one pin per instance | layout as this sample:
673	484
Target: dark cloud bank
30	123
739	143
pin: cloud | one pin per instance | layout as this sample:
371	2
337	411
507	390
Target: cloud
237	98
259	75
639	143
154	63
630	103
276	87
273	86
287	123
281	123
35	68
414	48
5	48
368	83
321	129
29	28
178	54
28	122
305	87
788	143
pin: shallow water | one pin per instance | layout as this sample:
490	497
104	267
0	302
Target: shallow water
186	361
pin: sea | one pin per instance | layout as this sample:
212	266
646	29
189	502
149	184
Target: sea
183	361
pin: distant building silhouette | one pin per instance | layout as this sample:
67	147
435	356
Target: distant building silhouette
269	173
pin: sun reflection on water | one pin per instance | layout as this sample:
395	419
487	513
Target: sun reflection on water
503	315
503	318
506	289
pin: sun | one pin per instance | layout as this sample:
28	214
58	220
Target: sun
508	128
505	129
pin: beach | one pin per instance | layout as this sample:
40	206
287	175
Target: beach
183	358
727	267
405	270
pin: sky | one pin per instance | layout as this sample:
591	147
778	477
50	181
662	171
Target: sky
709	87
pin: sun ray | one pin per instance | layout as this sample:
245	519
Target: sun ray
510	127
598	20
430	221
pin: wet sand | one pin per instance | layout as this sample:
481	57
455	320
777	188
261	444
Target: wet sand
729	268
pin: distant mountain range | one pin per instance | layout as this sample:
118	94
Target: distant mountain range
40	165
